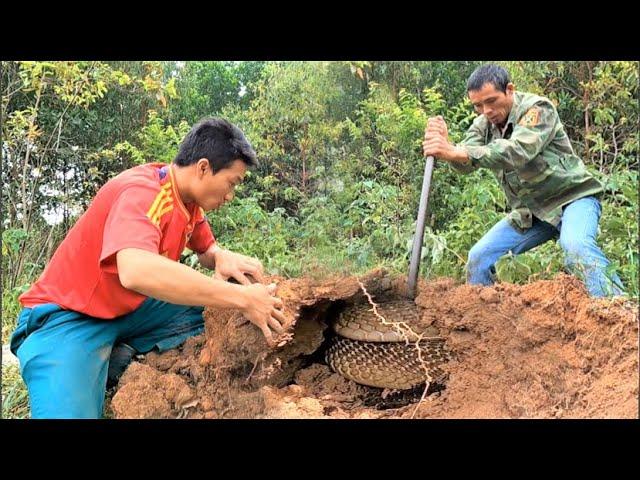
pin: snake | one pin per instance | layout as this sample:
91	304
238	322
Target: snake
385	353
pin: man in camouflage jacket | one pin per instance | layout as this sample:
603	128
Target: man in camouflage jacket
520	138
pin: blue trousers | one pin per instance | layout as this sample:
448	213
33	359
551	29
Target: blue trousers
577	231
64	355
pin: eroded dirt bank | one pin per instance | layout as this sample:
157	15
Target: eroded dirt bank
542	350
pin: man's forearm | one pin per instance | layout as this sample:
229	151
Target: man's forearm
460	156
158	277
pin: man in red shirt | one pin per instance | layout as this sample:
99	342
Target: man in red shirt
115	279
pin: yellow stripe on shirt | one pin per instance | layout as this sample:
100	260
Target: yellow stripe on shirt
165	192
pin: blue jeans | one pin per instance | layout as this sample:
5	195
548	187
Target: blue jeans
577	230
64	355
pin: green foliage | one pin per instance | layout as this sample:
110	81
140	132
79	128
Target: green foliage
246	227
203	89
618	234
15	399
160	143
291	125
11	309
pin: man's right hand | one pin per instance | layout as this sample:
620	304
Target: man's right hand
436	143
264	310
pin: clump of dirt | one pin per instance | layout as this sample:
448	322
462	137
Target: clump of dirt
542	350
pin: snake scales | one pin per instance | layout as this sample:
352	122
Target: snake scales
385	354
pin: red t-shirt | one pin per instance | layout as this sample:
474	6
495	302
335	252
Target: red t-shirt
139	208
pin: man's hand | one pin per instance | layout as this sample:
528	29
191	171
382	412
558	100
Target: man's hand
234	265
264	310
436	143
443	150
437	126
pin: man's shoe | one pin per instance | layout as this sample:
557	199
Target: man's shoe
121	357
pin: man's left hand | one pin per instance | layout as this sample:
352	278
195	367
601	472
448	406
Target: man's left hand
234	265
229	264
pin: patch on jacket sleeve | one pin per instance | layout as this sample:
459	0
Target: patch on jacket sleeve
531	118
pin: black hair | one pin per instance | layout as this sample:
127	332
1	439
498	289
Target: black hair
217	140
488	73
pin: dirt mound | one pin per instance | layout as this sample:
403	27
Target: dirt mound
542	350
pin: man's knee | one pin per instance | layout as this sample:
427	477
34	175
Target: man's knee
576	250
82	405
64	382
72	395
477	257
477	267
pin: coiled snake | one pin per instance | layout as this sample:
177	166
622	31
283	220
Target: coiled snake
385	354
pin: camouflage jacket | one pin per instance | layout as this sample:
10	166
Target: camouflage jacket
533	161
